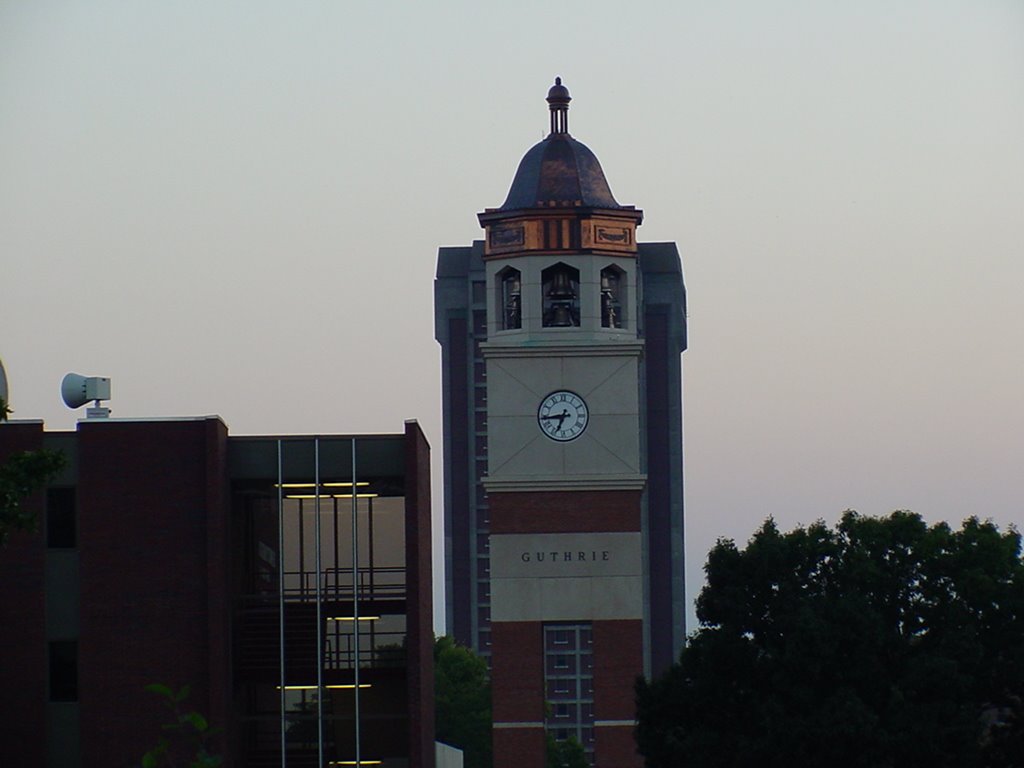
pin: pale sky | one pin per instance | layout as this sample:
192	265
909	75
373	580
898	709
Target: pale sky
235	208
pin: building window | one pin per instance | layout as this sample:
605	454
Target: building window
613	287
510	299
560	288
569	683
479	330
479	296
61	528
63	670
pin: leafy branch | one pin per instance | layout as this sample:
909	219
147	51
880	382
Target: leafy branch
187	732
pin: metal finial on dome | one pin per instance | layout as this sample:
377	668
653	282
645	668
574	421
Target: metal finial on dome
558	103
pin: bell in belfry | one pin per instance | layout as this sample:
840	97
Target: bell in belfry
610	312
512	297
562	310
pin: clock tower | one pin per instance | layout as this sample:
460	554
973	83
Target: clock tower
561	339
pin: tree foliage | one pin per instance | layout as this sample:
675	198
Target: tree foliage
21	475
186	737
565	754
882	642
462	693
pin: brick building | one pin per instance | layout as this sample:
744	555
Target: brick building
286	579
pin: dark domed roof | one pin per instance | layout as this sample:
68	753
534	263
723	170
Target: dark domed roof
559	171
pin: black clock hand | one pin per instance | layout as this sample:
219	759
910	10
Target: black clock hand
561	417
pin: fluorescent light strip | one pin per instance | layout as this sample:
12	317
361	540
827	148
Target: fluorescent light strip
330	496
353	762
352	618
346	686
322	485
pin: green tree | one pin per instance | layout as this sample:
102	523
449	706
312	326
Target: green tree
22	474
881	643
565	754
462	692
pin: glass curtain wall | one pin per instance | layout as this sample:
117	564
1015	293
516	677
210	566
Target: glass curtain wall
325	573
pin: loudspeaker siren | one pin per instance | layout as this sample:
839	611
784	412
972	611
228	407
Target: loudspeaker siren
77	390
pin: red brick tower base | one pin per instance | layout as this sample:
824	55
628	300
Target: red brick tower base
525	673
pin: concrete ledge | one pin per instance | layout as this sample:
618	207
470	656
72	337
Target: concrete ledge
566	483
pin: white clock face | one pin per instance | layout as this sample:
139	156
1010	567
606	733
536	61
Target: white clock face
563	416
